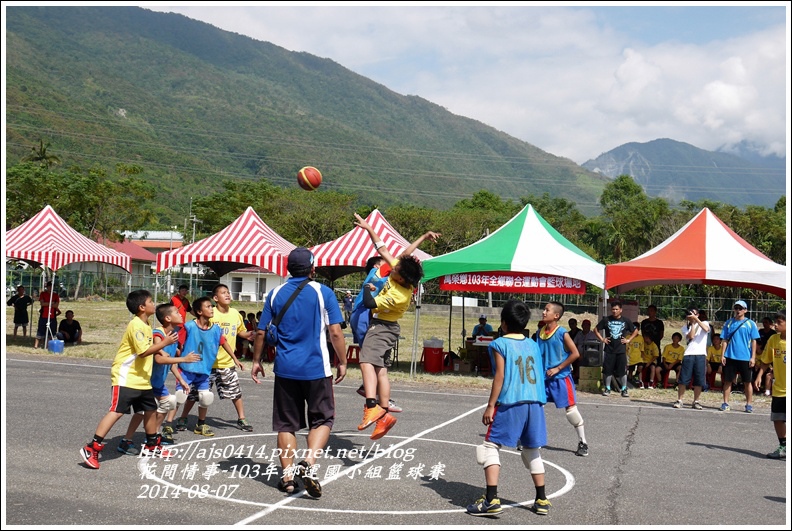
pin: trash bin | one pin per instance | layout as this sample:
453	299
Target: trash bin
55	346
433	355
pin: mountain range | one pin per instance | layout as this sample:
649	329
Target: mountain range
679	171
195	106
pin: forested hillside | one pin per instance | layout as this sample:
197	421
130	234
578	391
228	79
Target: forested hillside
193	106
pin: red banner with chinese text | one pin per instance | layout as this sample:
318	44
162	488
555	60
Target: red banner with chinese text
512	282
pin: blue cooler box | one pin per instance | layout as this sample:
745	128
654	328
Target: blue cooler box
55	346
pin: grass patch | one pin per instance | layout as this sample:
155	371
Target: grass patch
104	323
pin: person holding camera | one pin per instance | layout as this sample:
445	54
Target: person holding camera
694	362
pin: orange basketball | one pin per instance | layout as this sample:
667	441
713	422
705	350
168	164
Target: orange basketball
309	178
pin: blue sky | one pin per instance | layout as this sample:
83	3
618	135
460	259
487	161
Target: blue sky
694	25
573	80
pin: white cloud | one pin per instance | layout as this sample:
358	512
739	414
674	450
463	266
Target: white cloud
557	78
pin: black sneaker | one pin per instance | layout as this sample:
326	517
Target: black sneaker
582	450
127	447
606	391
244	425
624	393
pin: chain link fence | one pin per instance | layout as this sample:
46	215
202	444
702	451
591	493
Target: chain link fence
72	285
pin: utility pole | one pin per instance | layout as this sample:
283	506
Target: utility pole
194	221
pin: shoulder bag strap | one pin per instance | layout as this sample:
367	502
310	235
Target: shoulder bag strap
735	330
296	292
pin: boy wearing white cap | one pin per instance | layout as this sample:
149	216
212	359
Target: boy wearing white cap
739	337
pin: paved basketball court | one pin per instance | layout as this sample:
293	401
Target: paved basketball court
649	464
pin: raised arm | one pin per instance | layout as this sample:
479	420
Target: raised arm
432	236
378	244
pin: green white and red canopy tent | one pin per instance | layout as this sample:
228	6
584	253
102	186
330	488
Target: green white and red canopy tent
704	251
525	255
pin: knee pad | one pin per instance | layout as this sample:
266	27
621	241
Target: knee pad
181	396
573	416
166	404
488	454
532	460
205	398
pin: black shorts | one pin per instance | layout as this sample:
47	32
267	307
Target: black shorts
290	399
126	399
715	366
615	365
734	367
778	408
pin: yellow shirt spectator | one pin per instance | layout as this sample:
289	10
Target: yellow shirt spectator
673	354
635	350
650	352
714	354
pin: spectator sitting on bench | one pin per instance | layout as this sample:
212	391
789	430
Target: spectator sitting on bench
672	360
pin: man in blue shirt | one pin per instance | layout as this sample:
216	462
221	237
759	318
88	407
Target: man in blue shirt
302	367
739	335
483	328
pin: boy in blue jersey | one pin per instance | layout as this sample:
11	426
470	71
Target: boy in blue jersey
165	360
558	353
515	412
204	338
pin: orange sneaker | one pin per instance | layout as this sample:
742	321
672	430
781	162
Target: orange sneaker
370	416
383	425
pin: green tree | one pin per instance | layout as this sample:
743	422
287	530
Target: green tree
29	188
632	220
40	155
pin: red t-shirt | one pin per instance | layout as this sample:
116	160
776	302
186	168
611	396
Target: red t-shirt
49	302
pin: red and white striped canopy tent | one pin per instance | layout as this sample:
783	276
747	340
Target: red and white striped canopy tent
46	239
348	253
704	251
248	241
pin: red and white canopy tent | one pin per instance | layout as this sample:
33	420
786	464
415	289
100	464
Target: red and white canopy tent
47	240
348	253
704	251
246	241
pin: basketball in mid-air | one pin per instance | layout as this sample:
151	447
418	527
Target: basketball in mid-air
309	178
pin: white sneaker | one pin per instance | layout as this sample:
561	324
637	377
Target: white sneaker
678	404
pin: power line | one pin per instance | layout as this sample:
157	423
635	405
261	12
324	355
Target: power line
367	149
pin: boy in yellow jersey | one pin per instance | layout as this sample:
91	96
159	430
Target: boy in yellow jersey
383	332
714	358
774	354
130	377
224	371
165	361
635	350
672	359
649	358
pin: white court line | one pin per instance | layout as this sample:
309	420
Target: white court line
142	465
61	363
288	500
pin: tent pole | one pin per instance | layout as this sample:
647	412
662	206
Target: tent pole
415	331
47	333
450	317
